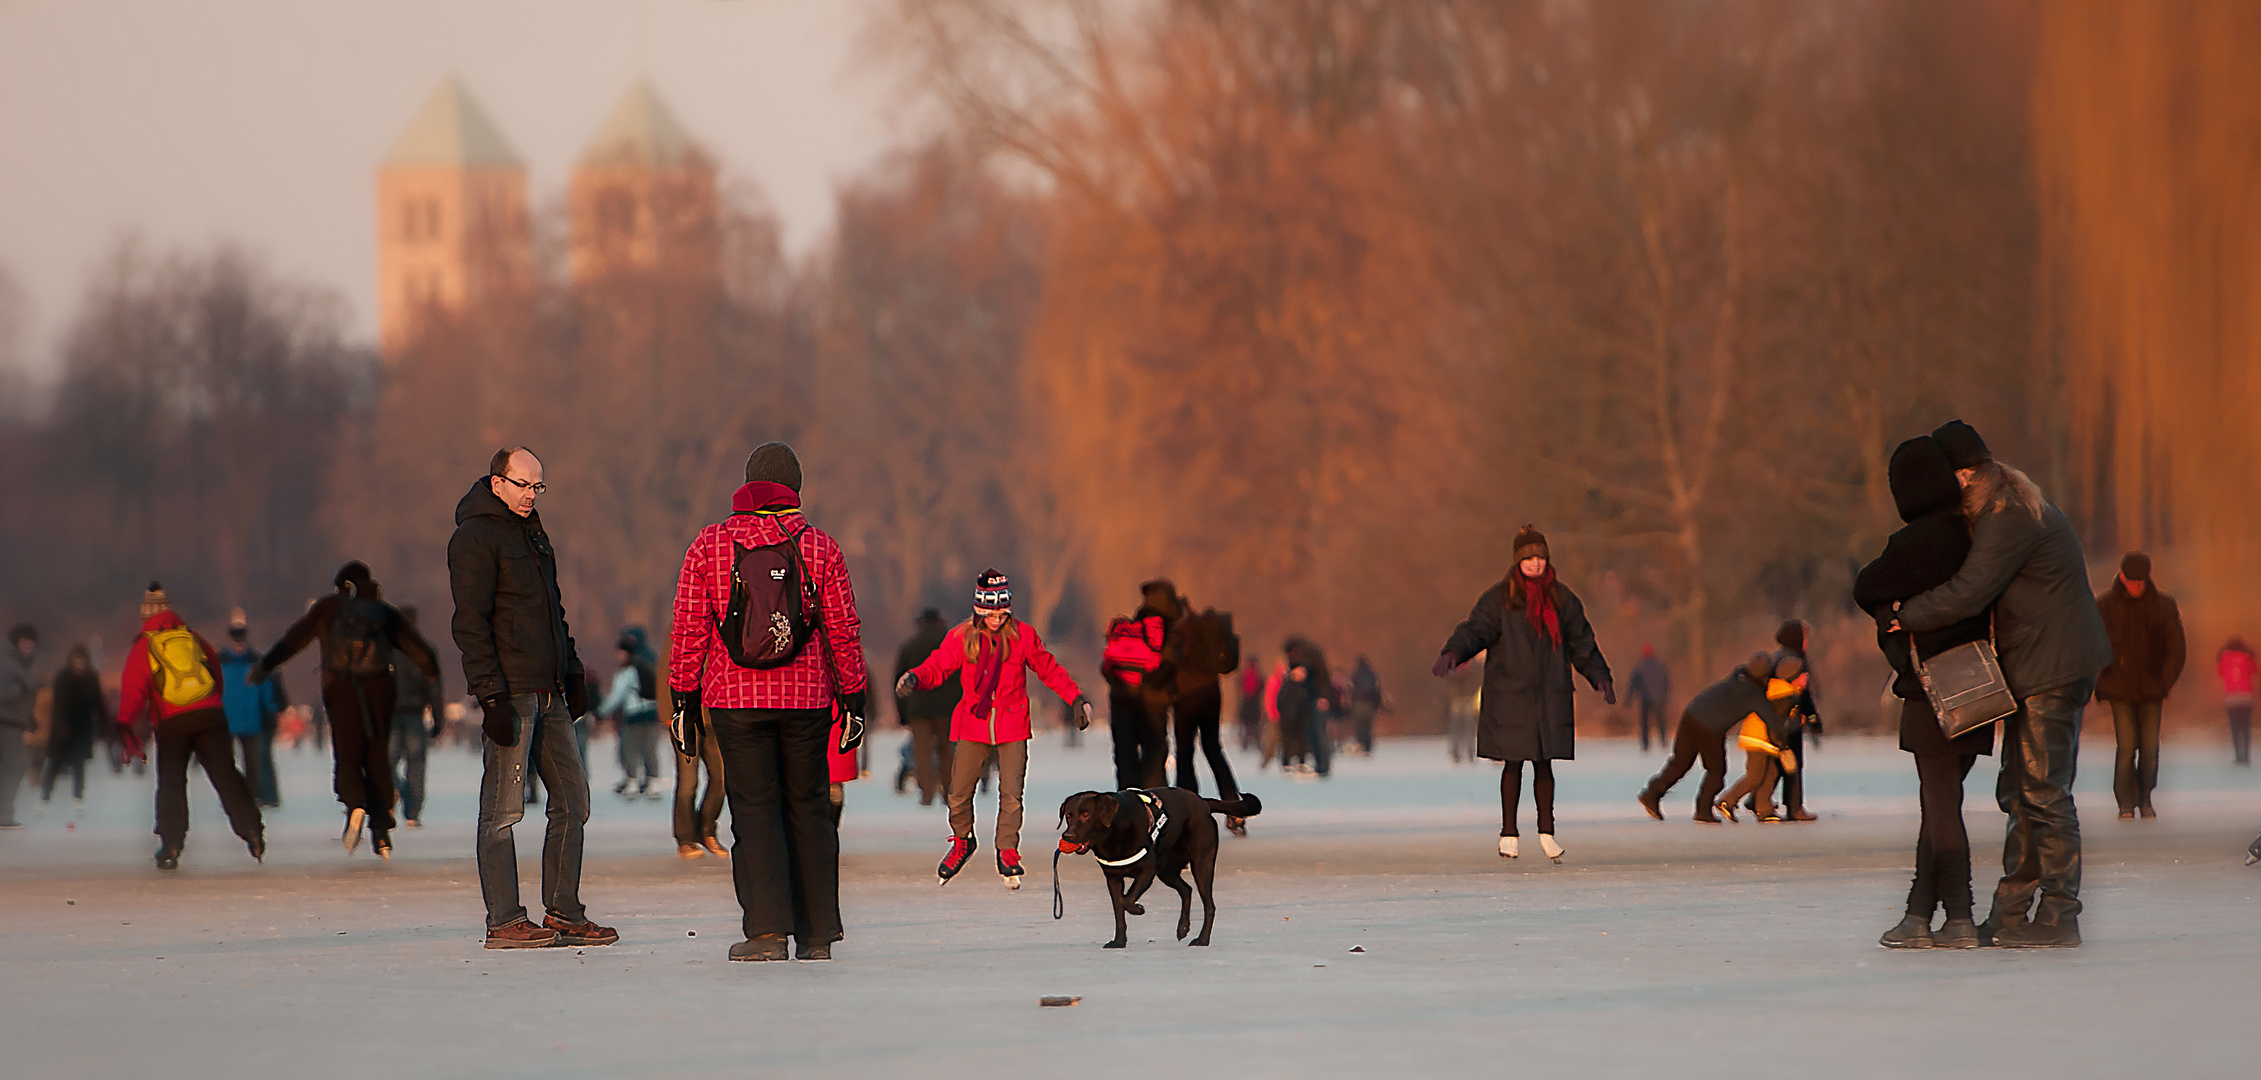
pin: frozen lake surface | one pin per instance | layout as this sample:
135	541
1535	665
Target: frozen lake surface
1653	950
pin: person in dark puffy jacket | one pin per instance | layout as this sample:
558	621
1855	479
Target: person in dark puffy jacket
2027	566
2148	652
520	664
81	709
359	635
1925	553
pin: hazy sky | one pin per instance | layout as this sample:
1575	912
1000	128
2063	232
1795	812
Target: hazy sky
262	121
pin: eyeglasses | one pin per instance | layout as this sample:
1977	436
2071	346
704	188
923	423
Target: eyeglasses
537	487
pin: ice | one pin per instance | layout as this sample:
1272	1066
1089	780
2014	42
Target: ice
1653	949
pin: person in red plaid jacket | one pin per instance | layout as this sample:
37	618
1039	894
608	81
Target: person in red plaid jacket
773	726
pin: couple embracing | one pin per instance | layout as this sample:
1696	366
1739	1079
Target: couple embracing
1984	554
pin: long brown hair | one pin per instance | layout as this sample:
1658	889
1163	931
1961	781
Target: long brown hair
979	638
1996	486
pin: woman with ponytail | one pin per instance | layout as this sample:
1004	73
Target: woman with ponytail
1533	632
992	654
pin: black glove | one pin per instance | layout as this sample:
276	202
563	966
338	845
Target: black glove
501	722
1080	708
686	726
851	728
1445	664
1609	692
857	703
577	697
258	674
906	684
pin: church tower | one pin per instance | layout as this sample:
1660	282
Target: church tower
452	222
643	195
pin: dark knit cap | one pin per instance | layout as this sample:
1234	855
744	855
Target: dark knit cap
1964	448
1791	635
1530	541
776	463
2135	566
353	579
23	632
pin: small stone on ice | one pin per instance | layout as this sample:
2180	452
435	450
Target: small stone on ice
1058	1000
1358	948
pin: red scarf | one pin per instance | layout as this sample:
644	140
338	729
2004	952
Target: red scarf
1538	604
989	669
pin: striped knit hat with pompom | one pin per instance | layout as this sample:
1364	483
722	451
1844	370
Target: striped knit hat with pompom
993	591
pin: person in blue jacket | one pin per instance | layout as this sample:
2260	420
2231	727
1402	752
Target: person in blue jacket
252	711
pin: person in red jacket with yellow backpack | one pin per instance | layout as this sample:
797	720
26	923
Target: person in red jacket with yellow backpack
992	654
175	674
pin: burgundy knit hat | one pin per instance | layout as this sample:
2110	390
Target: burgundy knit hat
1529	541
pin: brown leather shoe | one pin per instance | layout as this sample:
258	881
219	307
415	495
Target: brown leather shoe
715	848
522	934
580	933
691	851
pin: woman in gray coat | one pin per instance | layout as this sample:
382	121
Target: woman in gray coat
1532	631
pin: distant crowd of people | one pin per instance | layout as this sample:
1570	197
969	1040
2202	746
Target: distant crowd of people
1981	603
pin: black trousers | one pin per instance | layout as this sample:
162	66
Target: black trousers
1690	742
1511	795
1652	712
2041	850
1140	745
1196	717
202	734
785	847
1943	848
2135	764
361	737
2241	733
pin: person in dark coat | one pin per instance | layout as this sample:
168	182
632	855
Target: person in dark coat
2148	650
1651	685
358	633
1925	553
2026	564
413	696
80	709
1702	735
927	712
1533	632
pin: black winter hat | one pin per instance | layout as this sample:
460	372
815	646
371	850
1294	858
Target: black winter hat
1529	541
1964	448
1922	478
776	463
930	616
23	632
1791	635
2135	566
353	579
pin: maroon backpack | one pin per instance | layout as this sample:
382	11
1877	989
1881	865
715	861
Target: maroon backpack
773	607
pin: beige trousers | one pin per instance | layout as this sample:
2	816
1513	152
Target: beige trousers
966	767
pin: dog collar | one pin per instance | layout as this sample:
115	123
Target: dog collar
1142	853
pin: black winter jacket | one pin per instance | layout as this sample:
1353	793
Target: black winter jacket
2035	576
1724	704
509	615
1923	554
934	704
1527	711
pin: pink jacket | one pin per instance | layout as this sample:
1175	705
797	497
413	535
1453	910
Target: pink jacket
1008	715
699	660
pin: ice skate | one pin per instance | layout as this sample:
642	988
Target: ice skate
1725	811
257	845
168	858
381	844
1510	847
2253	852
351	838
1549	848
961	849
1009	867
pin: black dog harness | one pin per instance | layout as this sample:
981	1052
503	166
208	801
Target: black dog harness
1161	818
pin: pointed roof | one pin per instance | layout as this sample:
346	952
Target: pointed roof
451	129
642	131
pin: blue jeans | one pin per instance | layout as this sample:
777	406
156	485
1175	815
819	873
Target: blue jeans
545	737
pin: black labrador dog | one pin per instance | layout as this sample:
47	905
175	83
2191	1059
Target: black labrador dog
1140	835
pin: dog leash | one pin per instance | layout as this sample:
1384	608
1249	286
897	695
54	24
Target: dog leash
1059	906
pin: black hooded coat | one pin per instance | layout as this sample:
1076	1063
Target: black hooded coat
509	615
1527	712
1923	554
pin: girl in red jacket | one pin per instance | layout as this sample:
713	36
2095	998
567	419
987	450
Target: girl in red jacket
992	654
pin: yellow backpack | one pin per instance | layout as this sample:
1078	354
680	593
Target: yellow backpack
177	658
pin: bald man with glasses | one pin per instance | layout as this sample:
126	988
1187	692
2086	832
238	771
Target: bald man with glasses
520	663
